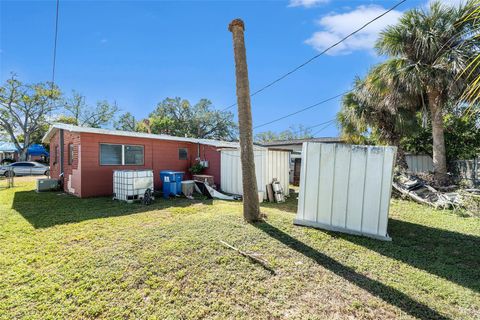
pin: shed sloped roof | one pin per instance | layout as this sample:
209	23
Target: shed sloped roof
68	127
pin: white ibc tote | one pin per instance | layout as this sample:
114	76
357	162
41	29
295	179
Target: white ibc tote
346	188
129	185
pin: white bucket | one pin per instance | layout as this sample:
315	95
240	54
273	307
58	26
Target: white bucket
188	187
260	196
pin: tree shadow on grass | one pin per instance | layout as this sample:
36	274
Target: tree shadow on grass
384	292
44	210
451	255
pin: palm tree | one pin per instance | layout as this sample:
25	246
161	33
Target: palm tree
251	208
472	71
427	57
374	109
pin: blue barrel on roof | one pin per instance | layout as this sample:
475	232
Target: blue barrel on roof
171	182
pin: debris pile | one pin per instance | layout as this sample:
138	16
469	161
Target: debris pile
450	197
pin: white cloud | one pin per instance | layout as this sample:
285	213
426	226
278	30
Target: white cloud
306	3
336	26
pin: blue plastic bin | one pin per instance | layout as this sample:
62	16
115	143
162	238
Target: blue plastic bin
171	182
178	180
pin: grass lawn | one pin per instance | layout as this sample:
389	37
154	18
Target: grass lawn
63	257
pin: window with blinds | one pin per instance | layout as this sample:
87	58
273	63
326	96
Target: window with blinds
121	154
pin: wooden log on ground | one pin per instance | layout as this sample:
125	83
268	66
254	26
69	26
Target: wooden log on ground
252	257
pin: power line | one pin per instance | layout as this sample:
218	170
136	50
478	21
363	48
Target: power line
311	127
303	109
55	44
320	54
325	127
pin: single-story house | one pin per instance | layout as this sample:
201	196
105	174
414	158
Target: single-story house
8	151
87	157
295	146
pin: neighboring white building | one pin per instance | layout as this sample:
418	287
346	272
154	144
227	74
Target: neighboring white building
269	164
295	146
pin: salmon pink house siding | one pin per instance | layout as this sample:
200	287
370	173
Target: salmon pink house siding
70	163
85	176
158	155
214	160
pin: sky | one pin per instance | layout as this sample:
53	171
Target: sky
138	53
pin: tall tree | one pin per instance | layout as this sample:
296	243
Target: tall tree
24	110
471	20
374	113
462	134
294	132
251	208
427	57
126	122
178	117
76	108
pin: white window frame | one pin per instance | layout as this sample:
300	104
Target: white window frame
123	154
186	150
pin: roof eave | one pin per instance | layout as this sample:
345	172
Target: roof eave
56	126
48	135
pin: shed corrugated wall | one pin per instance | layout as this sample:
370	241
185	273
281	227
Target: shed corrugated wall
346	188
278	166
269	164
419	162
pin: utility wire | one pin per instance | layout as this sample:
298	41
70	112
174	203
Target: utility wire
320	54
325	127
311	127
303	109
55	44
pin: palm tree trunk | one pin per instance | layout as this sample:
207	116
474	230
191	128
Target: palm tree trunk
401	160
439	152
251	209
393	139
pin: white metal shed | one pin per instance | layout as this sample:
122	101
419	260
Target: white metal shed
269	164
346	188
419	163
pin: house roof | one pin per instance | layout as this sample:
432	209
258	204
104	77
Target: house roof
301	141
6	146
68	127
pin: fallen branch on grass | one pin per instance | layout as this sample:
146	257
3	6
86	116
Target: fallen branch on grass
252	256
421	192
